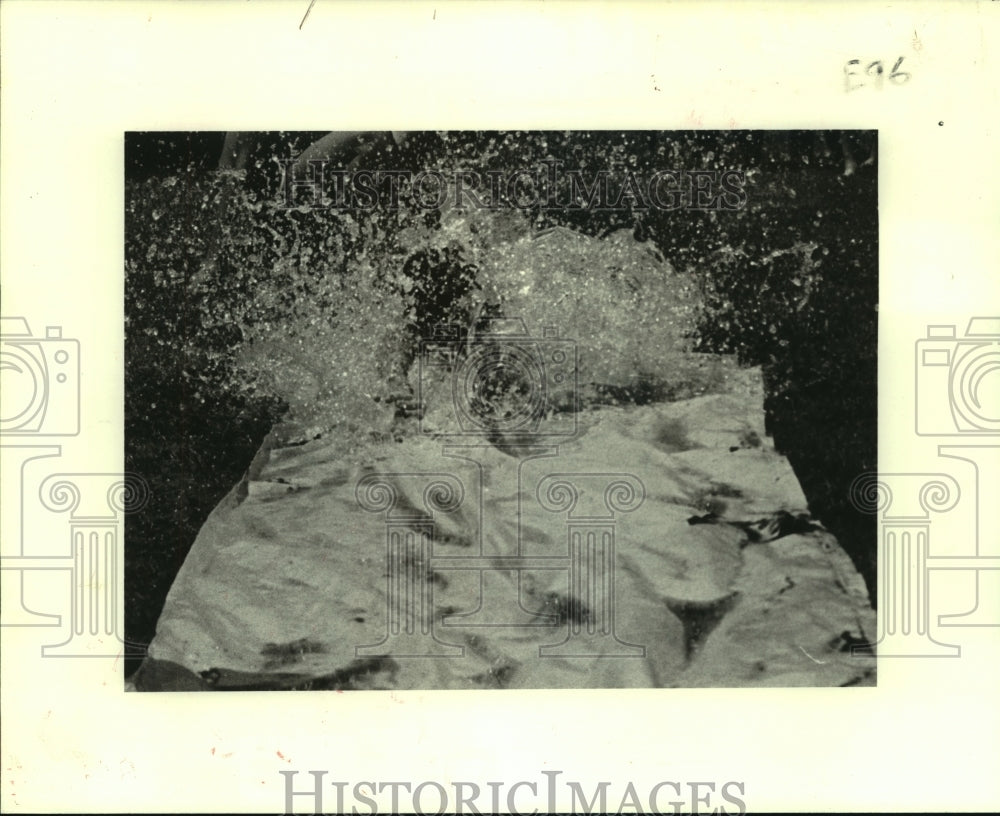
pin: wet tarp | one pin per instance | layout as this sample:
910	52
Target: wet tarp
658	545
621	521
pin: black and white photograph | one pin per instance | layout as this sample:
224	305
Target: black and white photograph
590	407
501	409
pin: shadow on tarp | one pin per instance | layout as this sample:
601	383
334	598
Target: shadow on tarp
286	583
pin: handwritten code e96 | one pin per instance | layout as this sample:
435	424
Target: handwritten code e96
872	75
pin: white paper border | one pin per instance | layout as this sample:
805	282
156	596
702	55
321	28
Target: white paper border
77	75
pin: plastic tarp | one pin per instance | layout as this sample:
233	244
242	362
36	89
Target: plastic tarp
661	545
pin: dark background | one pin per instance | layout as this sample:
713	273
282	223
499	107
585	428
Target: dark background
191	436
